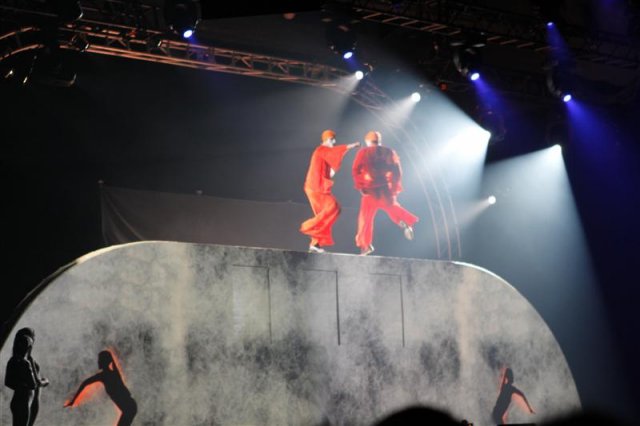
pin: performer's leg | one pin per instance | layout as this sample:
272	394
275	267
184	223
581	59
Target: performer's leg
319	227
308	225
35	407
129	411
20	407
366	216
397	213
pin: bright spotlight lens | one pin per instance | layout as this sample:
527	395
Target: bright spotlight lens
557	148
566	98
491	200
359	75
549	24
415	97
347	55
187	33
475	76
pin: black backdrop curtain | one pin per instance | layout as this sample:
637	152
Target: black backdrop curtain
133	215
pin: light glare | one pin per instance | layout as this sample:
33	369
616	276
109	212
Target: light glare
415	97
359	75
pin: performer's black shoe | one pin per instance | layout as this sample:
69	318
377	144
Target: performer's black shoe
366	251
407	230
315	249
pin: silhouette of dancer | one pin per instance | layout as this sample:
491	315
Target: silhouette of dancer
506	394
21	378
40	381
110	377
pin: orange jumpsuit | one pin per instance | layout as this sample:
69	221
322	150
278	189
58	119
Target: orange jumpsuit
378	176
317	186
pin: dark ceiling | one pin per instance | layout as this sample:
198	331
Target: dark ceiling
603	37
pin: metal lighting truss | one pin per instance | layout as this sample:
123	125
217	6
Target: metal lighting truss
452	19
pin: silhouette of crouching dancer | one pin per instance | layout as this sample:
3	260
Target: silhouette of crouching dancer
506	394
110	377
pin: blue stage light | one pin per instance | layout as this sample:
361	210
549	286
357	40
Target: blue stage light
474	76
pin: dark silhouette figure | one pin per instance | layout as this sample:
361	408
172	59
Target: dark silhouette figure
21	378
506	394
418	415
40	381
110	377
586	418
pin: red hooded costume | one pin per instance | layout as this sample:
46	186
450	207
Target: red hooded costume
317	186
378	176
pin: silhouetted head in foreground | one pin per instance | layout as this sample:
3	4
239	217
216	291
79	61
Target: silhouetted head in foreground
418	415
586	418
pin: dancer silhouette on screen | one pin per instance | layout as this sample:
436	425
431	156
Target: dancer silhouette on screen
21	378
110	377
507	393
40	381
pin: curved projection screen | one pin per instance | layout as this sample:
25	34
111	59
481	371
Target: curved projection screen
207	334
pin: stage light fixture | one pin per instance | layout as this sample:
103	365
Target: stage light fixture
359	75
442	85
80	43
51	68
491	200
182	16
557	148
557	132
493	122
552	13
341	39
467	61
66	10
154	42
415	97
560	79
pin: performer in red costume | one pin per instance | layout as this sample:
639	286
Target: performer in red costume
378	176
325	162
